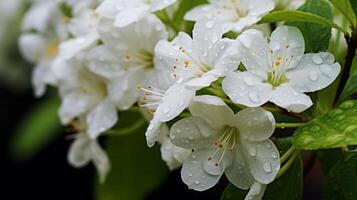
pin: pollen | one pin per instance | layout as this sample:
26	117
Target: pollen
186	63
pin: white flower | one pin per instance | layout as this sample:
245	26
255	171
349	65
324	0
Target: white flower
279	72
173	155
201	60
84	150
194	63
293	4
126	57
84	93
223	142
43	30
238	14
125	12
256	191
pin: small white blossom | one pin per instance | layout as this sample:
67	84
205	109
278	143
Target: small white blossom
279	72
223	142
84	150
125	12
43	29
237	14
84	93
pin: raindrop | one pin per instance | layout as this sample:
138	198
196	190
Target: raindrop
327	71
245	41
254	97
248	81
274	155
190	175
211	168
313	76
197	182
317	59
252	151
166	110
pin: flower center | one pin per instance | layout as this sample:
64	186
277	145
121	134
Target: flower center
280	64
52	49
143	59
192	67
151	99
226	142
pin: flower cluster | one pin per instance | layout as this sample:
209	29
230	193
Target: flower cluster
107	56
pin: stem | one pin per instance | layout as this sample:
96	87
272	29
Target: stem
289	125
351	51
287	165
170	22
287	154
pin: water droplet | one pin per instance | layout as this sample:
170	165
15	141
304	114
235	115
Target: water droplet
197	182
252	151
313	76
151	126
210	167
274	155
346	105
315	128
317	59
267	167
166	110
254	97
190	175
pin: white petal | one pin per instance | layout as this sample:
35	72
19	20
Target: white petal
79	154
109	8
314	72
75	104
206	11
239	173
256	191
204	81
71	48
153	132
193	173
101	118
286	97
42	75
254	52
161	4
213	110
32	47
288	43
100	160
247	89
255	124
193	133
263	159
129	16
175	100
173	155
102	61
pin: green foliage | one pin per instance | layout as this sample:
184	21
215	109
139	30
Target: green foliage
313	31
299	16
136	169
39	127
287	187
345	7
342	179
351	84
337	128
354	6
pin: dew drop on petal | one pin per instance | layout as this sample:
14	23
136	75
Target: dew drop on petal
209	24
267	167
274	155
313	76
210	167
252	151
317	59
254	97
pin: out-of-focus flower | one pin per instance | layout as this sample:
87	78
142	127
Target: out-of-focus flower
125	12
236	14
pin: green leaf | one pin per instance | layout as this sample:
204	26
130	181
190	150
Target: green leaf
354	6
317	37
299	16
39	127
337	128
345	7
342	180
136	169
287	187
351	84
